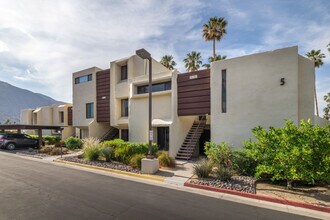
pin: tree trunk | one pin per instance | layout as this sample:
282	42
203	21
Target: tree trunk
213	49
315	98
289	184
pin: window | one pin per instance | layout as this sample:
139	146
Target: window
223	92
155	87
124	107
124	134
61	117
83	79
90	110
123	72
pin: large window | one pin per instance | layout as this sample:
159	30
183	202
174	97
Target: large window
155	87
223	91
124	107
83	79
61	117
90	110
123	72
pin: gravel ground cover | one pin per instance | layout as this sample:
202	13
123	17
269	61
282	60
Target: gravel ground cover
238	183
111	165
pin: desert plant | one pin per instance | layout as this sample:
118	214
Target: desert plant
223	173
45	149
165	159
218	154
58	151
107	152
114	143
203	168
50	139
243	163
124	152
292	153
60	143
135	160
73	143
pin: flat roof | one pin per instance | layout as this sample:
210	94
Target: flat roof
32	127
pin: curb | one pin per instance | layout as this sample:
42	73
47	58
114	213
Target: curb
260	197
142	176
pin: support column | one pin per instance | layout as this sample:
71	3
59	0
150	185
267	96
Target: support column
40	137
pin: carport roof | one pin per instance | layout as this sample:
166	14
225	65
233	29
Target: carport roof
31	127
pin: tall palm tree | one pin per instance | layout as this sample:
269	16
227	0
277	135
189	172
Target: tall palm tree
168	62
214	30
211	59
328	47
316	56
193	61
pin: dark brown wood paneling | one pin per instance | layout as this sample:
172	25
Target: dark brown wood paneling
194	93
103	96
70	115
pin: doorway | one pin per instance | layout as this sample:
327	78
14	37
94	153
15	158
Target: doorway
206	136
163	136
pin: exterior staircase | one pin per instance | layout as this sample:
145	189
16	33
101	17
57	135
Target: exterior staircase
189	144
113	133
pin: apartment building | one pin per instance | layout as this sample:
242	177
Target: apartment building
55	115
222	103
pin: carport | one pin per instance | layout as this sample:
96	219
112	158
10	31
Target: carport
20	127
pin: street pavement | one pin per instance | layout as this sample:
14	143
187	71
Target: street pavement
34	190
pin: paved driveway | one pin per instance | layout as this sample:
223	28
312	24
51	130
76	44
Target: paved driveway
35	190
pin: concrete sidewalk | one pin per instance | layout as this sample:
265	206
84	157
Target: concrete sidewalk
178	175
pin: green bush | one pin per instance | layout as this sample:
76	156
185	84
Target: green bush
136	159
60	144
124	152
292	153
243	163
166	160
107	152
73	143
218	154
116	143
51	140
223	173
203	168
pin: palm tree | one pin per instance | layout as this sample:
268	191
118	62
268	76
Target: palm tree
326	110
316	56
168	62
193	61
214	30
211	59
328	47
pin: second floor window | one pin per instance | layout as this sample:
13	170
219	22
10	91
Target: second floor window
155	87
124	107
90	110
83	79
123	72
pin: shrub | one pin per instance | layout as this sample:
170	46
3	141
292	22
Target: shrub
57	151
166	160
243	163
292	153
136	159
91	148
107	152
49	139
45	149
223	173
60	143
218	154
116	143
73	143
203	168
125	151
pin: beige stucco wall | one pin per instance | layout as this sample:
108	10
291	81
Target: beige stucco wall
26	116
255	96
83	93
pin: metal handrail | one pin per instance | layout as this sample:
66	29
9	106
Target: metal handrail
199	123
106	134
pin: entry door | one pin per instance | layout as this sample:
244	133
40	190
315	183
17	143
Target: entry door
163	137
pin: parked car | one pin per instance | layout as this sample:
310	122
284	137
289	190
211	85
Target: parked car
10	141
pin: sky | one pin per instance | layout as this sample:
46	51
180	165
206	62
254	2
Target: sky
42	42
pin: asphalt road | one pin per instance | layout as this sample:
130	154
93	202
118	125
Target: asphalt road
35	190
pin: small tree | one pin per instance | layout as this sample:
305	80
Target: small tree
292	153
326	110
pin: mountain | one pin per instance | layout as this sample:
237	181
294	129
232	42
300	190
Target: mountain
14	99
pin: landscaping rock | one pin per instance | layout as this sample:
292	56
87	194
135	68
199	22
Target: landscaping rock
238	183
111	165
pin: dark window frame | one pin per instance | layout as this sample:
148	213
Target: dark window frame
83	79
124	108
89	110
156	87
61	116
123	72
224	91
